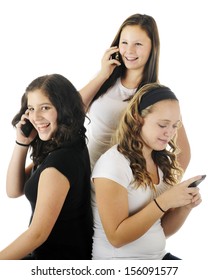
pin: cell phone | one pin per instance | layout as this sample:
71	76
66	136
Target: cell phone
116	56
197	182
27	128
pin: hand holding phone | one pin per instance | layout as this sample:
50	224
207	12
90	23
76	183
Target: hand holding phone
27	128
197	182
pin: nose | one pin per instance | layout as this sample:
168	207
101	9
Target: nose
170	132
130	48
36	115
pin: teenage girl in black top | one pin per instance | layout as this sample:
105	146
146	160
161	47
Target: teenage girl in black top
57	182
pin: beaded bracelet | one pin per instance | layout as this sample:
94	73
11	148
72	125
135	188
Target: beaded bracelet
158	205
20	144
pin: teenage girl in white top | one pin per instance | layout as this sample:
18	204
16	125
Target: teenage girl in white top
131	62
137	199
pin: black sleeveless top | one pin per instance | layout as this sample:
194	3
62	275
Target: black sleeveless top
71	237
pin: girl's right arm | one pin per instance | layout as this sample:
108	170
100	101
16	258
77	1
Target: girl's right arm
16	172
107	66
122	228
112	202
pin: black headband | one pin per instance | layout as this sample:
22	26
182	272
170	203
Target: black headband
155	95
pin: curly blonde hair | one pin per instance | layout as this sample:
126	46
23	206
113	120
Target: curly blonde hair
130	143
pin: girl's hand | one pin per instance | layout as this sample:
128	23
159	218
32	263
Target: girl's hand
196	199
21	138
108	64
181	195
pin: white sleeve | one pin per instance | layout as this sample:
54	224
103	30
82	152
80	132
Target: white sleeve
114	166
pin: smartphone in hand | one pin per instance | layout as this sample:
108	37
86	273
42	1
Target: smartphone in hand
27	128
116	56
197	182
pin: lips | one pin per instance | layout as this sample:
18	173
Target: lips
165	142
43	126
131	58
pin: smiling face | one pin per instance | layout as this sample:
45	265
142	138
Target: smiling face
161	125
42	114
134	47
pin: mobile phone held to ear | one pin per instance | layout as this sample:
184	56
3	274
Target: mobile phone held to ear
197	182
115	56
27	128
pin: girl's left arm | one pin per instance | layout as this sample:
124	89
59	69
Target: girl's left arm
52	190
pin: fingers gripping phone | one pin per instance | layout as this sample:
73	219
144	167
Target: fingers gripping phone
27	128
197	182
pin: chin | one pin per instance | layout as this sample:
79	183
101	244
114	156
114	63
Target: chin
45	137
160	149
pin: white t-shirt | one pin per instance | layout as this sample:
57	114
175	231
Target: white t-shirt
104	114
151	246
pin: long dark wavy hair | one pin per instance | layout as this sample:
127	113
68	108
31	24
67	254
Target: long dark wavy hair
130	144
150	75
70	109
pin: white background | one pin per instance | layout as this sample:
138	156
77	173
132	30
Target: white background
69	37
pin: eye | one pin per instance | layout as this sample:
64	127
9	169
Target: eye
30	109
124	42
162	126
138	44
45	108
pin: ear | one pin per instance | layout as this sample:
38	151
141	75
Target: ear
135	117
138	119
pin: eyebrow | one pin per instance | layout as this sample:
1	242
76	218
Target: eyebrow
41	104
134	41
169	121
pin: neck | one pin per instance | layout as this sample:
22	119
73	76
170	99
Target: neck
132	78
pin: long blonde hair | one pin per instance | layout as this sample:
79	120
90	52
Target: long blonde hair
130	143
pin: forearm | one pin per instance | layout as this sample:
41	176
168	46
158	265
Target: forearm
173	220
22	246
16	172
89	91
